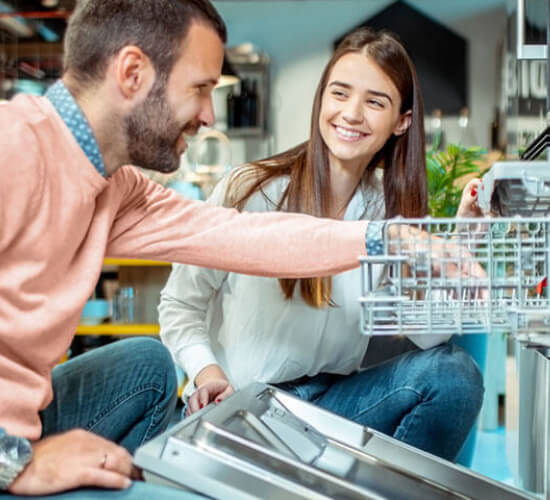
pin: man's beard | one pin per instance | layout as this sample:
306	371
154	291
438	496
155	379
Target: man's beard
152	132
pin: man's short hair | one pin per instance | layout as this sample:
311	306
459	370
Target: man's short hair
98	29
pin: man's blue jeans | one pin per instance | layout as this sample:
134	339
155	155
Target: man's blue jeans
427	399
125	392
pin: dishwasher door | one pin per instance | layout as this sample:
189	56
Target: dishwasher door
534	415
262	443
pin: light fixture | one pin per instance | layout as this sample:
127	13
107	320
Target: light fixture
229	75
49	3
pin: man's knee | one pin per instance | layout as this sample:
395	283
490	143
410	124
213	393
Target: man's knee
156	357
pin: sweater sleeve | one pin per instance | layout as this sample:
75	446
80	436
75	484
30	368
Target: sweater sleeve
20	189
157	223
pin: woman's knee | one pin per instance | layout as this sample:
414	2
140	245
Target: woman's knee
459	378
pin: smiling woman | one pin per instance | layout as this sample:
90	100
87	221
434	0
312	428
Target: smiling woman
360	111
364	160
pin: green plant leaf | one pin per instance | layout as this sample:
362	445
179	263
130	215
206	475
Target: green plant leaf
444	169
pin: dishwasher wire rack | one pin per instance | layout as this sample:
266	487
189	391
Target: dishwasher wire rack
412	299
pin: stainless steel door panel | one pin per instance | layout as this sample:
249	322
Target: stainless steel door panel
534	408
262	443
457	478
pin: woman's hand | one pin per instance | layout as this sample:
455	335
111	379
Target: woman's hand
468	206
212	385
215	390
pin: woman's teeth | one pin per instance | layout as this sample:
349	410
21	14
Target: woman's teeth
348	133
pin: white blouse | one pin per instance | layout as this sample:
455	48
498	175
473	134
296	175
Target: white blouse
244	323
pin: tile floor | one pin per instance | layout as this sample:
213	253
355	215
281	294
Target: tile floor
491	457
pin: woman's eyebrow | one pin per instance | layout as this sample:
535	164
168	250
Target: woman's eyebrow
340	84
380	94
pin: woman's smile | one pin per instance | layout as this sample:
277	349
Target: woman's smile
349	134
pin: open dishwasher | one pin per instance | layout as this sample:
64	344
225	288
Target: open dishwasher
523	189
262	443
513	297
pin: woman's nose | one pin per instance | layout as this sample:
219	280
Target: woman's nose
353	112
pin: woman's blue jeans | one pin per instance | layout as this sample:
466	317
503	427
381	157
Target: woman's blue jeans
125	392
427	399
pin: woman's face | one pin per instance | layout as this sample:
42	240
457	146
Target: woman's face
360	110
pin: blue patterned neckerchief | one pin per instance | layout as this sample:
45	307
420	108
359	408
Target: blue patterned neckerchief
73	117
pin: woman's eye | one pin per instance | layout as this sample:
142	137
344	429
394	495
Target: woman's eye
339	93
375	103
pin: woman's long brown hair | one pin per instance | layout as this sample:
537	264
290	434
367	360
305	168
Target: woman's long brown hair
307	165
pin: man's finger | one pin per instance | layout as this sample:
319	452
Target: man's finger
102	478
118	460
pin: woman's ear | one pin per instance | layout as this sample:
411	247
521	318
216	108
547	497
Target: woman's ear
404	123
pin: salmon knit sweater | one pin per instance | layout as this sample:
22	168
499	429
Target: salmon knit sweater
59	218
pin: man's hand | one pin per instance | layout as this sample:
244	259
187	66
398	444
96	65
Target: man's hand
447	258
212	385
71	460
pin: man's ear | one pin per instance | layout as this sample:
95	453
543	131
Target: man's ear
134	72
404	123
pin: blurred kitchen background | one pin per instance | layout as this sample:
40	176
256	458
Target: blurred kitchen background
463	50
476	92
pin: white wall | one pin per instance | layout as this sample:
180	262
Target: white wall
298	36
485	33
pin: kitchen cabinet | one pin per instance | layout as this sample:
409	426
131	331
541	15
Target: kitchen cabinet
147	278
248	100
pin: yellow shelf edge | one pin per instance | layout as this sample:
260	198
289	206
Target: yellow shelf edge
115	329
134	262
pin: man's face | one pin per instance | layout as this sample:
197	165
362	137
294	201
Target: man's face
157	128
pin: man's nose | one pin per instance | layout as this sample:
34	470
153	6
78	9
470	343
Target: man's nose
206	114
